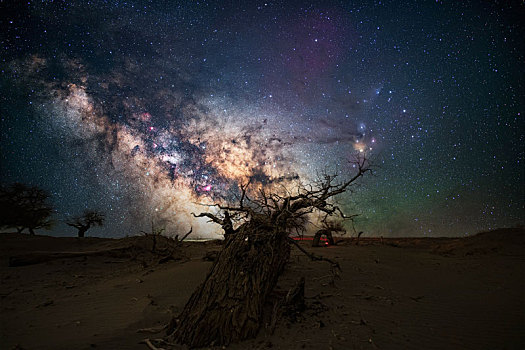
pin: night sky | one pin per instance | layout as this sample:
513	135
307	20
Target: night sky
145	109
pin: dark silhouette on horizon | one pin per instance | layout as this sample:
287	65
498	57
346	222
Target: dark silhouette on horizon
23	206
85	221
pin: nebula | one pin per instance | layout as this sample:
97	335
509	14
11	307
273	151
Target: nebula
180	157
149	111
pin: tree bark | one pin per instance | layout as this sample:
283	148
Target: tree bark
228	306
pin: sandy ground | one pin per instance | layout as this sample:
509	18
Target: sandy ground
391	294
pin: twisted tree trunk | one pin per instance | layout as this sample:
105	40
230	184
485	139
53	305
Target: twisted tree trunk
228	306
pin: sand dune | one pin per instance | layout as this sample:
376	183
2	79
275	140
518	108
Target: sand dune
391	294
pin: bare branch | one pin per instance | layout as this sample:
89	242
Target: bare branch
150	345
186	235
313	256
289	210
211	216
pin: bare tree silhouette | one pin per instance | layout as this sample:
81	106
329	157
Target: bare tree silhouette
23	206
85	221
327	228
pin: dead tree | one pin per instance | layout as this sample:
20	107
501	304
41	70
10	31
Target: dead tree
358	237
164	247
153	235
328	228
23	206
228	306
85	221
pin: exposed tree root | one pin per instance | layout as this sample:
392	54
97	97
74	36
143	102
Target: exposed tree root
152	330
151	346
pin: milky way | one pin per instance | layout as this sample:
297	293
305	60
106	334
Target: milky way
147	111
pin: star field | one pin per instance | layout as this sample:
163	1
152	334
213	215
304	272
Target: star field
145	109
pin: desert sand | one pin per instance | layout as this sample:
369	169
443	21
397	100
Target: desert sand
409	293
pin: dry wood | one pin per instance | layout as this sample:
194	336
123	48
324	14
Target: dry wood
151	346
228	306
315	257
